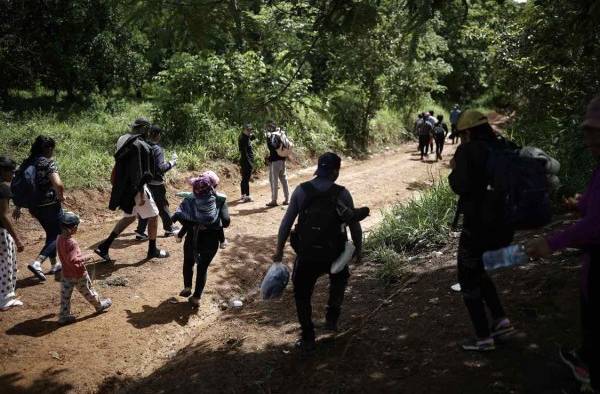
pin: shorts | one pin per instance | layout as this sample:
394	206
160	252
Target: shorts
146	211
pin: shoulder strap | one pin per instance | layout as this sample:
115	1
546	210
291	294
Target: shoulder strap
312	193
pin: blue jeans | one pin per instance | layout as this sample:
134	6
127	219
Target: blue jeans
49	218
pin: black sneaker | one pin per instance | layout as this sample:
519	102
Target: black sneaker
479	345
502	328
186	292
140	236
306	346
103	255
578	367
157	254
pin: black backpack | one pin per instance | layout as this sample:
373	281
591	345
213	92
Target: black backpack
24	186
425	128
319	235
517	188
439	130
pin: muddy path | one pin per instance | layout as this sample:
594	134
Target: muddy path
149	325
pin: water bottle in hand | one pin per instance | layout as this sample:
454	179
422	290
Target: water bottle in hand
506	257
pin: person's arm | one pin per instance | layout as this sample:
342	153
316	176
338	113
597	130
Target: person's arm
224	214
7	224
287	222
159	156
355	227
459	178
57	185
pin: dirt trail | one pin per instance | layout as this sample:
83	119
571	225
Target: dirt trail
148	324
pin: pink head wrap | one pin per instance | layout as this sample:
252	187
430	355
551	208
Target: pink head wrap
214	179
201	185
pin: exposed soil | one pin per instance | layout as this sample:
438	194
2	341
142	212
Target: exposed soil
402	338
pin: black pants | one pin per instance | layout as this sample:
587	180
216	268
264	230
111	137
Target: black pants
49	218
159	194
202	254
439	145
590	346
423	144
246	175
476	286
304	277
453	133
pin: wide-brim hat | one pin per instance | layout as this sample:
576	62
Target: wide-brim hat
469	119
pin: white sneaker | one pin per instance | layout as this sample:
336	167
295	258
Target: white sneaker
56	268
248	199
10	304
223	244
36	269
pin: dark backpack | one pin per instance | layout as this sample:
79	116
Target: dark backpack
24	186
439	131
425	128
319	235
517	188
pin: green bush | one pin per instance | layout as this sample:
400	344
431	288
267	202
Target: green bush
389	127
418	224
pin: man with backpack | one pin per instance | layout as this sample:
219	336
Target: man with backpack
134	169
157	186
424	129
484	228
318	239
279	148
454	115
440	131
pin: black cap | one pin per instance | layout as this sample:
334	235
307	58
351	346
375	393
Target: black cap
7	163
140	124
69	219
328	162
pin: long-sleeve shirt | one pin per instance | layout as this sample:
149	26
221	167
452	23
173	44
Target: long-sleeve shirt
586	231
454	115
161	166
70	257
246	151
297	201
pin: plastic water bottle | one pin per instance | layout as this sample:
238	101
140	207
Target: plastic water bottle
506	257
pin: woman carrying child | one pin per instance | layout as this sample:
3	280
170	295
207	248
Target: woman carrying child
203	216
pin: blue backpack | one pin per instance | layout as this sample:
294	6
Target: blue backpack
24	187
517	187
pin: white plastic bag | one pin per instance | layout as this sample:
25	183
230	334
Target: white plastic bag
275	281
342	261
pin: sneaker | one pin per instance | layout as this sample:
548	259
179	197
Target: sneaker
104	305
157	254
186	292
174	231
36	269
68	319
286	202
11	304
195	301
578	367
103	255
223	244
140	236
502	328
55	269
306	346
271	204
479	345
248	199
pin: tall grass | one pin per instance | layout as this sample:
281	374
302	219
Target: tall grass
422	223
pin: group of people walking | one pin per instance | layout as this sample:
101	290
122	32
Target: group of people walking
319	236
430	129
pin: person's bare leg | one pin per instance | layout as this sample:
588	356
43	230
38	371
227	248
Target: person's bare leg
153	251
102	249
123	224
152	227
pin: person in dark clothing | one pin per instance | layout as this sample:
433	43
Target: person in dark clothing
483	230
246	161
440	131
134	168
584	362
454	115
433	122
306	271
157	186
203	216
48	208
424	130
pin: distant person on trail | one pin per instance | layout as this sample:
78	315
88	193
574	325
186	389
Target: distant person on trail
135	167
74	273
454	115
10	242
246	161
157	187
482	230
416	129
318	239
440	131
433	121
203	216
585	235
44	200
425	130
276	139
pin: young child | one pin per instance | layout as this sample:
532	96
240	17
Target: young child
74	273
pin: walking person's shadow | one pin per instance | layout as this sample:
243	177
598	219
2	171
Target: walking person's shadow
167	311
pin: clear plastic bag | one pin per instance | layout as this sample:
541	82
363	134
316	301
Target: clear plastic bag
275	281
